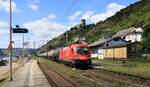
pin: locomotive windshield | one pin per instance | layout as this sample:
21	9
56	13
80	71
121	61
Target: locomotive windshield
82	50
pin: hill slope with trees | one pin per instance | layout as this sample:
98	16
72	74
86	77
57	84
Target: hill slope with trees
135	15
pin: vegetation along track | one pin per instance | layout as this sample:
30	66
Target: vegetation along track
136	80
55	78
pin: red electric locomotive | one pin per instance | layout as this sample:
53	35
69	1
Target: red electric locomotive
75	54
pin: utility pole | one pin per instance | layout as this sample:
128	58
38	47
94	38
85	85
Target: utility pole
66	37
28	50
47	48
10	42
34	46
23	49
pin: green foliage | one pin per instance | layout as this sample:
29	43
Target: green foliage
118	84
146	35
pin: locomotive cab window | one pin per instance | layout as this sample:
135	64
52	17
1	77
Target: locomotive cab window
82	50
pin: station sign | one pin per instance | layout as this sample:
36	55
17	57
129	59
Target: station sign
20	30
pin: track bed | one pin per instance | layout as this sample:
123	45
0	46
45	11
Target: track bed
54	78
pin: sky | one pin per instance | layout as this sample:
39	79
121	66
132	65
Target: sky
46	19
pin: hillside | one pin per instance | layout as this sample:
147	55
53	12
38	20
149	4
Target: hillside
137	15
15	52
1	53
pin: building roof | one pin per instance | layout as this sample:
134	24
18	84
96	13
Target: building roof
128	31
100	42
121	45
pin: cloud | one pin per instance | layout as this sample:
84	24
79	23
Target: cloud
4	5
51	16
4	28
33	7
4	33
75	15
45	27
111	9
114	7
87	15
34	1
3	25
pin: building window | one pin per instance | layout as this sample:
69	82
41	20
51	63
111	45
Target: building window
124	37
116	39
107	44
129	41
95	51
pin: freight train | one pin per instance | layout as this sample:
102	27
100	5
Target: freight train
74	55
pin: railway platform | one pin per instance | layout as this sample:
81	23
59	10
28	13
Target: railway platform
29	75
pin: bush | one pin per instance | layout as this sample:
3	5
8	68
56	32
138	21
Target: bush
3	63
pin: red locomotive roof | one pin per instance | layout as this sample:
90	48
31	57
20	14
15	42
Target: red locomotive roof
78	45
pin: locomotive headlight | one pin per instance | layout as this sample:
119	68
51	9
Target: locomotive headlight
76	57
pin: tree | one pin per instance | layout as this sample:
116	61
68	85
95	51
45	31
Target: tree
146	37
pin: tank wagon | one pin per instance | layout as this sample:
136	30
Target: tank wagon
54	54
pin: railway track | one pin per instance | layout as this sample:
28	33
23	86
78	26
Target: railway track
54	78
100	76
137	80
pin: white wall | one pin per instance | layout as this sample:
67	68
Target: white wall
100	53
134	37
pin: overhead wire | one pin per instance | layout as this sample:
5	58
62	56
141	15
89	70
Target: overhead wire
58	7
69	9
66	13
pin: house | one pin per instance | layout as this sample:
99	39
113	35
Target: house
115	48
98	48
123	51
131	34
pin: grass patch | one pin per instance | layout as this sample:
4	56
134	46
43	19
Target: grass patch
6	74
118	84
134	67
3	79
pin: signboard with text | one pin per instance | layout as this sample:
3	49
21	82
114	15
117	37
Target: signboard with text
20	30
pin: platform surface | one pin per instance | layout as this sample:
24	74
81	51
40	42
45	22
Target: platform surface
28	75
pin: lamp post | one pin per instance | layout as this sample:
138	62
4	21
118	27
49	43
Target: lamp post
10	41
22	56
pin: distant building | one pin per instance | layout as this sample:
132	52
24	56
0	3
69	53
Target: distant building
83	22
131	34
98	48
81	25
114	48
